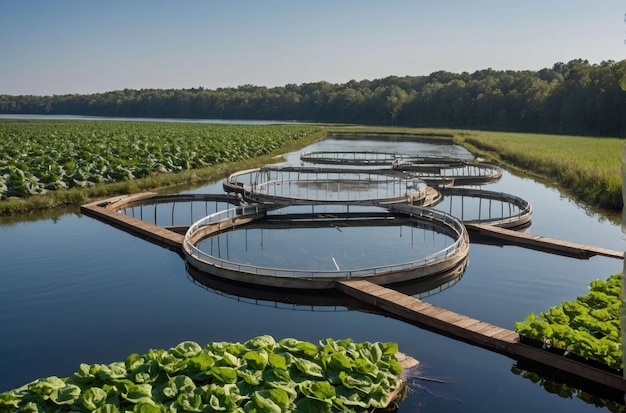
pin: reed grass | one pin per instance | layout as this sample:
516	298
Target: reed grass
589	168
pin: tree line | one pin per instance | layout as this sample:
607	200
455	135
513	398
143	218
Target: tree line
574	98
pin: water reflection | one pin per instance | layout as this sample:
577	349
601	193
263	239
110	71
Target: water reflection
317	300
321	245
588	392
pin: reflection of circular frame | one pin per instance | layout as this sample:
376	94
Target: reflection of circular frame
319	300
214	224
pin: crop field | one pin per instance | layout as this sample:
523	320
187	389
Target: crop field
589	167
41	156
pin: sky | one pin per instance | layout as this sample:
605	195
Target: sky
82	46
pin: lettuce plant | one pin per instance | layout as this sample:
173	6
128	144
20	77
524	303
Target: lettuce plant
260	375
590	326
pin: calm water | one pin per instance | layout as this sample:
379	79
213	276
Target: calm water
327	247
76	290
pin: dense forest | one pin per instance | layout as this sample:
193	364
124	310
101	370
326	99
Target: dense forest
574	98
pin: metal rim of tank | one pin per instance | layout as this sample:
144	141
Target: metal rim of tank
221	221
372	158
469	173
266	185
519	219
356	158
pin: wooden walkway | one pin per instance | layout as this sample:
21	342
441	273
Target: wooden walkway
543	243
145	230
472	331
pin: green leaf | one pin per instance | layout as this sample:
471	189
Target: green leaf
261	342
378	398
364	366
287	387
340	361
306	405
350	397
299	348
112	371
256	359
93	398
86	373
65	395
43	387
320	390
136	392
388	349
276	375
278	396
177	385
134	361
186	349
354	381
231	360
201	362
307	367
171	364
9	401
277	361
107	408
190	402
252	377
260	404
149	408
224	397
224	374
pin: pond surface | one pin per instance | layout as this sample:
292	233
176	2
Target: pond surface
342	246
76	290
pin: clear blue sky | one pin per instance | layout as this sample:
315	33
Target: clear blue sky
83	46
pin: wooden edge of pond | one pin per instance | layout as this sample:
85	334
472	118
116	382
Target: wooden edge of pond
473	331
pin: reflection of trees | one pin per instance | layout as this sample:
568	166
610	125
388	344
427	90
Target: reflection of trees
575	98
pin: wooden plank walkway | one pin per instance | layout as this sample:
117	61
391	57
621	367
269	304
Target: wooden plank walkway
472	331
543	243
153	233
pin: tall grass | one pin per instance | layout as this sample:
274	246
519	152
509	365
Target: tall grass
590	168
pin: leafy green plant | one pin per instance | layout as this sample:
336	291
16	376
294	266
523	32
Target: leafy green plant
260	375
42	156
589	327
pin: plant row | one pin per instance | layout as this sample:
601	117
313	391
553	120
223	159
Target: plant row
260	375
41	156
589	327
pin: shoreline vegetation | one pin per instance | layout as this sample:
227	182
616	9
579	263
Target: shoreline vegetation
588	168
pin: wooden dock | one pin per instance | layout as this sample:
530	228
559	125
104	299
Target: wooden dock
542	243
472	331
145	230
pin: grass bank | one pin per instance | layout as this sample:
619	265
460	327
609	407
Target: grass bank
588	168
